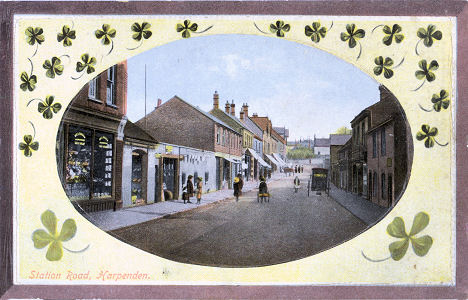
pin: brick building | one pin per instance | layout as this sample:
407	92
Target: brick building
336	142
90	141
269	144
360	125
179	123
344	164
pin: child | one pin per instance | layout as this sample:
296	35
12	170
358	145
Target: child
199	189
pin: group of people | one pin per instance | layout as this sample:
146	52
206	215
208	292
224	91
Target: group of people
189	190
298	169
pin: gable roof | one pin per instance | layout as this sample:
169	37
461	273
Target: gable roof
322	142
134	131
262	122
339	139
229	119
278	136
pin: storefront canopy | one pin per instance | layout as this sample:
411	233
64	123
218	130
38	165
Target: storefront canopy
279	159
272	160
260	160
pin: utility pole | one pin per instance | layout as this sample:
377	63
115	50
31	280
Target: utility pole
146	121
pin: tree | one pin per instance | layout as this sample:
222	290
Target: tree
343	130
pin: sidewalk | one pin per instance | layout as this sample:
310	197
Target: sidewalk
365	210
110	220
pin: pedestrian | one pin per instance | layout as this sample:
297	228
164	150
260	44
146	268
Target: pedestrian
189	187
236	188
199	189
295	169
302	169
297	184
262	190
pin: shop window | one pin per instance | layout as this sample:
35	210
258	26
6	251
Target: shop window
207	176
137	177
88	166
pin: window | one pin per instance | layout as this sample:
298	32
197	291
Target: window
89	164
207	176
224	137
382	182
374	192
362	134
93	88
374	144
110	91
218	136
383	143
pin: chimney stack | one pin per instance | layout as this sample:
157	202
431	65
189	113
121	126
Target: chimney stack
216	100
242	115
227	107
255	114
245	108
233	109
159	102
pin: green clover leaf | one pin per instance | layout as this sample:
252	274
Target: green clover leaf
28	82
54	67
141	31
34	35
315	32
427	134
279	28
393	33
41	238
88	64
383	65
48	108
28	146
428	35
106	34
186	28
421	245
66	36
425	71
352	35
440	101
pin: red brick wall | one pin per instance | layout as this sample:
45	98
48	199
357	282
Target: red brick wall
234	147
82	100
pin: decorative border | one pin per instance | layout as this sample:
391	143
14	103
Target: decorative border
427	134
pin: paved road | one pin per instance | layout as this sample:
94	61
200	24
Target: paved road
247	233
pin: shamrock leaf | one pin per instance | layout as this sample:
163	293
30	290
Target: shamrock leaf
186	28
28	146
28	82
352	36
54	67
141	31
441	100
87	64
106	34
428	35
427	134
315	32
66	36
42	238
34	35
48	108
426	72
383	65
279	28
421	245
392	33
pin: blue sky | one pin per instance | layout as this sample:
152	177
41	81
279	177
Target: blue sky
305	89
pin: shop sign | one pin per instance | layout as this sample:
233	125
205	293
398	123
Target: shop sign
80	138
169	149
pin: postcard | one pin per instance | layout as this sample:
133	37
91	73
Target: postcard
214	150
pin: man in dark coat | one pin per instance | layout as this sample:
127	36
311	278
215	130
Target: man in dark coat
189	189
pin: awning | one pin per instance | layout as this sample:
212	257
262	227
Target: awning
272	160
244	166
230	160
279	159
257	157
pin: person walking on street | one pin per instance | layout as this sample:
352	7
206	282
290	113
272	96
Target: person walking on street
189	188
295	169
237	187
262	190
297	184
199	189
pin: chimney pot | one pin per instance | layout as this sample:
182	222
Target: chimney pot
216	100
159	102
233	108
241	115
245	108
227	107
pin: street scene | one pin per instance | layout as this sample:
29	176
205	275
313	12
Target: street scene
223	172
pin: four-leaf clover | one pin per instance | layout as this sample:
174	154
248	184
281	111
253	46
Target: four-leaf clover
394	32
425	72
28	146
421	245
383	65
186	28
51	238
279	28
427	36
315	32
352	36
48	108
28	82
428	135
66	36
54	67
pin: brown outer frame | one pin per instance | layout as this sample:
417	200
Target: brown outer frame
454	8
